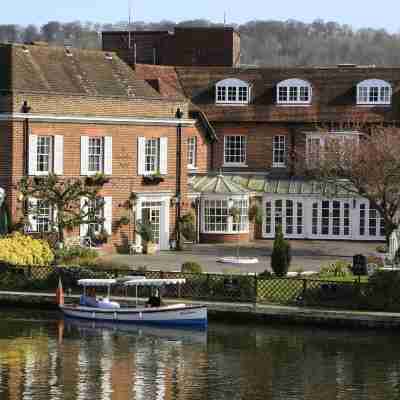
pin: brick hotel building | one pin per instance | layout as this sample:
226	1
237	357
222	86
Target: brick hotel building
77	112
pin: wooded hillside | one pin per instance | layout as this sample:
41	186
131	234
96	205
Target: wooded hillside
273	43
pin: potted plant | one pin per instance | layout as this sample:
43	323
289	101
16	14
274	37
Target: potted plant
145	231
153	179
98	179
234	212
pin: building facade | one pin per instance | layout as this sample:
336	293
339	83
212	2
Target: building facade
263	119
78	113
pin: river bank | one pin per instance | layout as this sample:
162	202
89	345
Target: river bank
233	311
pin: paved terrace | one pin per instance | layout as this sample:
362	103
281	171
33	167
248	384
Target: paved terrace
306	255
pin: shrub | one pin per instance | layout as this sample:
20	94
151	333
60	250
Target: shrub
145	231
265	274
191	267
336	269
76	255
281	254
19	249
187	227
382	248
383	290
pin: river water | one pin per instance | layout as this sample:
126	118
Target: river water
43	357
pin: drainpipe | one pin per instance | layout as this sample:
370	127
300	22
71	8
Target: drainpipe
25	110
179	115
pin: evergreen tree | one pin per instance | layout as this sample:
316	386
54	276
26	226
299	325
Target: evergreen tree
281	254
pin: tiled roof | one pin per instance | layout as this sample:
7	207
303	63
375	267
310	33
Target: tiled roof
334	93
229	184
218	184
40	68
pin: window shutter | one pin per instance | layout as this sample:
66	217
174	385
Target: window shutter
141	155
84	155
108	155
32	155
31	209
54	219
58	154
163	156
84	227
108	215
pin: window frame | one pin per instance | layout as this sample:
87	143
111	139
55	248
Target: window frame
373	92
243	146
100	155
98	227
277	151
232	91
50	155
155	155
293	92
323	137
222	218
192	152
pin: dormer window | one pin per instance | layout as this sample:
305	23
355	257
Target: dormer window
232	91
294	92
374	92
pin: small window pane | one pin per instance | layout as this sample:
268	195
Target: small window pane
293	93
279	151
96	154
231	93
151	156
283	94
235	150
243	94
191	148
221	93
44	150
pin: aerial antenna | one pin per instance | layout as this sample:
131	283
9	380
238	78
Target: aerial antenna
130	13
224	18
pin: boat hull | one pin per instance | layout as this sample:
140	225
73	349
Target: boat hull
179	315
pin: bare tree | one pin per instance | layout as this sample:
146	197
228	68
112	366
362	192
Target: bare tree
365	165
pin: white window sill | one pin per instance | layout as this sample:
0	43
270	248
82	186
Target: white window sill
294	104
225	233
191	168
384	105
41	173
234	165
278	165
232	104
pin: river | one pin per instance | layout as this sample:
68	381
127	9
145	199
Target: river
44	357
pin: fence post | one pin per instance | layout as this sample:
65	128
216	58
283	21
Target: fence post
255	288
304	290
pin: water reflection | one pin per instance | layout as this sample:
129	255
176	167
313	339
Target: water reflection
44	358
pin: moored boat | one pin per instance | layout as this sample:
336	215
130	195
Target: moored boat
155	312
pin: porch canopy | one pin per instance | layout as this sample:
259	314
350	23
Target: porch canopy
97	282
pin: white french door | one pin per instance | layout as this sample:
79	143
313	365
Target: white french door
371	226
331	219
156	212
288	213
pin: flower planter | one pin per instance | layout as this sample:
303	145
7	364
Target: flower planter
149	248
152	180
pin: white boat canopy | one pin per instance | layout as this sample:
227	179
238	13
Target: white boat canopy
154	282
96	282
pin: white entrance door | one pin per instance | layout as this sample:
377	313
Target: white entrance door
289	213
331	219
156	212
370	224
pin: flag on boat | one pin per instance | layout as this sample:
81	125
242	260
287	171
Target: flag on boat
60	293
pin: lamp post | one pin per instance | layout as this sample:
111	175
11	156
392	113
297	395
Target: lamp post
231	204
178	115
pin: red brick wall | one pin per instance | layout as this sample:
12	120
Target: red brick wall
124	179
259	144
218	238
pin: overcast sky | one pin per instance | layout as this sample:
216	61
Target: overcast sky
357	13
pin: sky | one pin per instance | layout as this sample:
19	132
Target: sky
357	13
